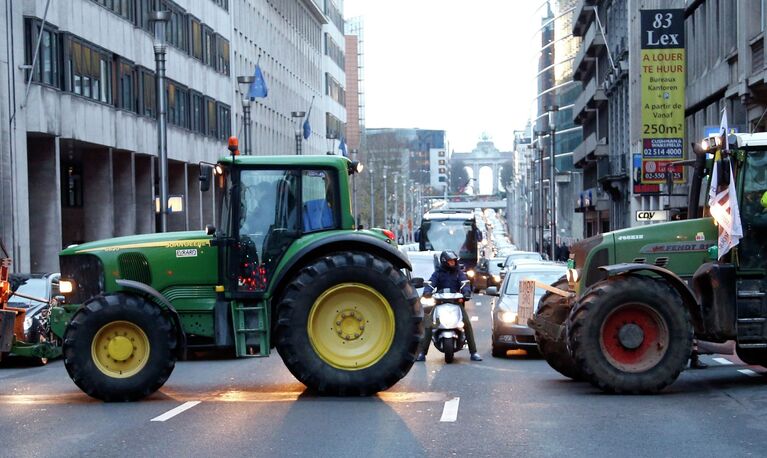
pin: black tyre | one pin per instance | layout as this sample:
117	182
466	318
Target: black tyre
119	347
630	334
752	356
555	309
349	324
448	349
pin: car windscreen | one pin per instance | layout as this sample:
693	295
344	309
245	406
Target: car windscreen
548	277
456	235
422	266
517	256
35	287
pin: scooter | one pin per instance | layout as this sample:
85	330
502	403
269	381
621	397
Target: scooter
447	316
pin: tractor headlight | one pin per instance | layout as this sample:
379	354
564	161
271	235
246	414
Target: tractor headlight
508	317
66	286
497	278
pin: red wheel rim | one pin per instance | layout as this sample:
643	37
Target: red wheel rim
634	337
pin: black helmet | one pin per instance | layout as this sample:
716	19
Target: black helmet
448	256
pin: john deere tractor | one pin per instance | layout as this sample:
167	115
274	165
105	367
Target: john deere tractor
639	295
284	268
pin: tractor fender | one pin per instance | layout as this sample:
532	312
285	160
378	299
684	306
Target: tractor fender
156	297
681	286
340	242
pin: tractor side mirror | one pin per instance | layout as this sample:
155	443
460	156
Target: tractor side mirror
416	282
206	177
723	171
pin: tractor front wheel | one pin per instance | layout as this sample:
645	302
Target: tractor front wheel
630	334
555	308
349	324
119	347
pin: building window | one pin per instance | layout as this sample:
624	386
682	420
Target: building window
334	51
333	126
222	53
46	69
196	48
224	121
148	99
334	90
208	46
126	81
222	3
198	113
334	14
210	117
178	104
177	29
123	8
88	71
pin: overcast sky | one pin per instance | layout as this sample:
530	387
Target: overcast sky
467	67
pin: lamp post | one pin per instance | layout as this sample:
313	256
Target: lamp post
246	81
541	214
371	170
395	217
298	116
552	180
160	19
386	199
354	191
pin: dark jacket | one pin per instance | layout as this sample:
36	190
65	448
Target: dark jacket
442	278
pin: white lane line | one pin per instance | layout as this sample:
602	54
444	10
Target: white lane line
475	318
173	412
450	412
748	372
724	361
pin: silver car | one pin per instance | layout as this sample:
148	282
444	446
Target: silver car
508	332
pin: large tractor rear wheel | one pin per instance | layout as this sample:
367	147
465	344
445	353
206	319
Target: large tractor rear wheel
630	334
119	347
349	324
555	309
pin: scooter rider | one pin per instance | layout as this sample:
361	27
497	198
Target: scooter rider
448	276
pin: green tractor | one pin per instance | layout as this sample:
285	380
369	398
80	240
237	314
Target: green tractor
285	268
638	296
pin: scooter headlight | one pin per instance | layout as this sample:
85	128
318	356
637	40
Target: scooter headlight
470	274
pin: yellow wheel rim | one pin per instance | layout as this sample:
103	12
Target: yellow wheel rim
120	349
351	326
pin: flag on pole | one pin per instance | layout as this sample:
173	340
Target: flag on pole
342	147
723	199
306	126
258	86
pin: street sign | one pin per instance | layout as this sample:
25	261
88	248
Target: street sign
652	215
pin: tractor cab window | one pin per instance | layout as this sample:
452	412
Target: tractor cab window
319	200
267	224
752	252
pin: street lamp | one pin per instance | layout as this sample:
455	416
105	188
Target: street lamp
246	81
160	19
354	190
298	116
552	109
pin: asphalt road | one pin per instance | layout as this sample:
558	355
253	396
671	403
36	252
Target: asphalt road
499	407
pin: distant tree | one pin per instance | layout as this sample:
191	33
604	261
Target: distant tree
507	173
459	177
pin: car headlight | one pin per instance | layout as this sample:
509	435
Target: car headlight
66	286
508	317
470	274
497	278
428	301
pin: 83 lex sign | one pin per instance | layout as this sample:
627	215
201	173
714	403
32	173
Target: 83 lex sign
663	73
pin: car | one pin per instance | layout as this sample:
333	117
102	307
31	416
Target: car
42	286
507	332
517	255
424	265
489	273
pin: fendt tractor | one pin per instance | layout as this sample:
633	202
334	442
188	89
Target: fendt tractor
285	268
638	296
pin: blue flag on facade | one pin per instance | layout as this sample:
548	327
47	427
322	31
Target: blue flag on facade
258	86
306	126
342	146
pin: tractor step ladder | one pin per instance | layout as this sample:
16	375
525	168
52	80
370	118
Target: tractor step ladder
751	323
251	329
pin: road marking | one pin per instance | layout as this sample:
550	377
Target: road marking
748	372
450	412
724	361
475	318
173	412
